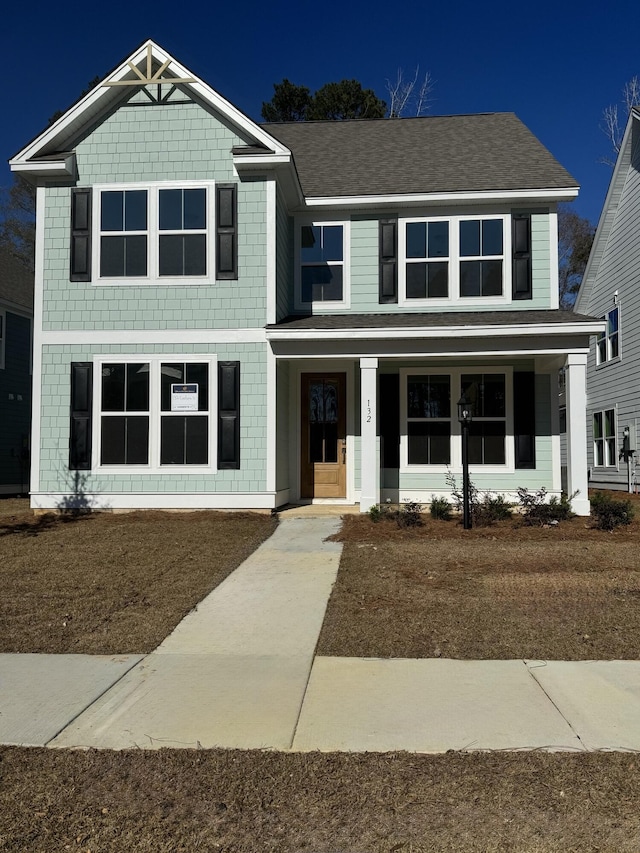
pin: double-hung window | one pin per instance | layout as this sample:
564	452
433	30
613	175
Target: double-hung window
604	439
481	257
432	434
608	345
459	257
155	412
156	233
429	419
322	251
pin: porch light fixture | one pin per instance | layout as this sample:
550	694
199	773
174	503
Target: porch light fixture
465	416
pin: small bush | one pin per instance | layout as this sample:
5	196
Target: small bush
537	511
410	515
378	512
610	513
490	509
440	508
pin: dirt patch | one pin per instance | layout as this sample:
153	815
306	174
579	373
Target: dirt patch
508	591
241	802
112	583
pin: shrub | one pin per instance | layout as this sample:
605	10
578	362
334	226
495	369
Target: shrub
485	509
609	512
378	512
537	511
440	508
410	515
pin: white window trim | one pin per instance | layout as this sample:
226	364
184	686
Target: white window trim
155	413
615	465
609	359
153	278
455	466
454	263
327	306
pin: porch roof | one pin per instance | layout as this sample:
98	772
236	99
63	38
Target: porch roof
440	322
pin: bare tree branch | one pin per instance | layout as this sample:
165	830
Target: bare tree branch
613	124
409	96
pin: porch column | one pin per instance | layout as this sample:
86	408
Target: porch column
576	393
369	456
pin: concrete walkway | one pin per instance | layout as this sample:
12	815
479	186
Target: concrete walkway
240	671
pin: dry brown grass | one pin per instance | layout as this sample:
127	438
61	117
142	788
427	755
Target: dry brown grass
508	591
242	802
111	584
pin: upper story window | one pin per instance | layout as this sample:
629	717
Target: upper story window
608	345
160	233
454	258
323	273
156	232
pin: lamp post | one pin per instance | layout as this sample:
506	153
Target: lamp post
465	415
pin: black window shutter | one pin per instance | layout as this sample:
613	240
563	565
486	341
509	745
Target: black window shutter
80	427
226	231
521	244
80	234
228	414
524	418
388	256
389	408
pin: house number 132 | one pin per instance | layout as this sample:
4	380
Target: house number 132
368	411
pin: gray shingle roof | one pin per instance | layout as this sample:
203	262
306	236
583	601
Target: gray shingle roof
433	319
466	153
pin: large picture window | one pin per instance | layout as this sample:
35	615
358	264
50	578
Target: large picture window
322	249
155	413
432	433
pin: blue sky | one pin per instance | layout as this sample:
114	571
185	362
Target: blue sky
555	64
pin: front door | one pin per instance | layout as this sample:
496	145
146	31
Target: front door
323	440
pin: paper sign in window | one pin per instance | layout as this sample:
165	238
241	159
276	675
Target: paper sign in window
184	398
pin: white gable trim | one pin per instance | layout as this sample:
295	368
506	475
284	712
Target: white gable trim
103	95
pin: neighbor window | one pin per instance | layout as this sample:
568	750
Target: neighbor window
604	439
322	252
608	346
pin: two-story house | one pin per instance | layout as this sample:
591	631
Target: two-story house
610	289
239	315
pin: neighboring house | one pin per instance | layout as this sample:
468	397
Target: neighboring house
16	317
611	289
239	315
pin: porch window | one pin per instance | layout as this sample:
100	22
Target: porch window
486	392
429	420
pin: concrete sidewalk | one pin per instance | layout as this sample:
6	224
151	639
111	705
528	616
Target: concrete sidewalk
240	671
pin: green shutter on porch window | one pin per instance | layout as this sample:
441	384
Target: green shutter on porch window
228	415
388	261
80	416
522	285
80	255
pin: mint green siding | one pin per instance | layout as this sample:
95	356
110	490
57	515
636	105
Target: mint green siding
54	425
364	269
